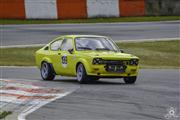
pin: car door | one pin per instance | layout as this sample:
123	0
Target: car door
55	55
67	58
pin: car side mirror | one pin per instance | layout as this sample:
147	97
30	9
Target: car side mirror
70	51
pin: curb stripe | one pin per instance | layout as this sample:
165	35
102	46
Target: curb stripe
19	96
33	108
17	92
27	95
33	90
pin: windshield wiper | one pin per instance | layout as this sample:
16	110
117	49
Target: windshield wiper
84	48
102	49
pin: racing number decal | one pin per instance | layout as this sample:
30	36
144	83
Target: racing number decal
64	61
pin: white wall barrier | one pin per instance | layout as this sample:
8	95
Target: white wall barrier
103	8
41	9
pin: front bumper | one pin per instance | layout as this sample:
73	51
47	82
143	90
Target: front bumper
100	70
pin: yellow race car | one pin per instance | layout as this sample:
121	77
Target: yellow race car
88	57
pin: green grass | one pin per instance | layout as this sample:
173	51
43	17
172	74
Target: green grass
159	54
156	54
18	56
92	20
4	114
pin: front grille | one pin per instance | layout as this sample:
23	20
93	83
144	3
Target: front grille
115	68
116	65
116	62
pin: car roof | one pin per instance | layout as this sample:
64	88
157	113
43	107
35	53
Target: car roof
74	36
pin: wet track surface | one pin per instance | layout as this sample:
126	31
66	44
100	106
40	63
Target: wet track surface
42	34
155	91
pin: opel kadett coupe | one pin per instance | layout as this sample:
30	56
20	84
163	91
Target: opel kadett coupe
87	57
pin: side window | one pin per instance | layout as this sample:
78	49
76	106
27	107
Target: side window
56	45
67	44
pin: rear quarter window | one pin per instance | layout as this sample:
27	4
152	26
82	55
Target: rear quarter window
56	45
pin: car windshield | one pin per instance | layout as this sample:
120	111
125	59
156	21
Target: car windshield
95	43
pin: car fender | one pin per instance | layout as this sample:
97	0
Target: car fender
85	63
46	59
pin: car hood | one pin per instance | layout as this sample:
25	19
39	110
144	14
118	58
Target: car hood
107	54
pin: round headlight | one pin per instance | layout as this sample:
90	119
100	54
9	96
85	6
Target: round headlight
98	61
133	62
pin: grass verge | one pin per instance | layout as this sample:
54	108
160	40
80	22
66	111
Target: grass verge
4	114
18	56
156	54
92	20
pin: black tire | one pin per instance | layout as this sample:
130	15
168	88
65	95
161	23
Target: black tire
94	78
47	72
130	80
81	74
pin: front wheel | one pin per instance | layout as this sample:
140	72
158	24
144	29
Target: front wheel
81	74
94	78
47	71
130	80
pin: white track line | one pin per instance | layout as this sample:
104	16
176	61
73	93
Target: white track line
23	114
17	92
133	40
20	92
150	40
17	67
22	46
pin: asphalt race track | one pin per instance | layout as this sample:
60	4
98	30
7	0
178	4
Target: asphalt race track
155	91
42	34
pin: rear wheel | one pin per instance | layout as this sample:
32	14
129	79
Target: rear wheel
47	72
130	80
81	74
